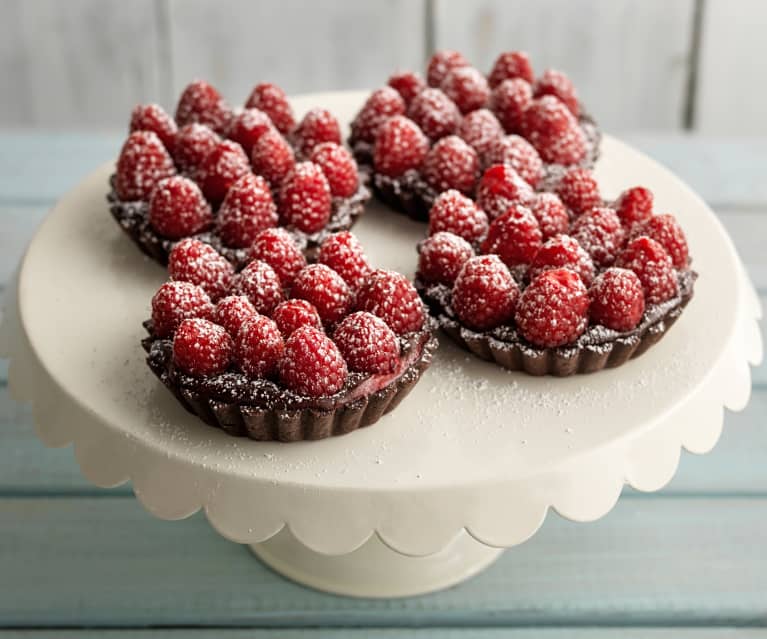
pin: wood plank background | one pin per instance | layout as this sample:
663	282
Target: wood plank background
640	64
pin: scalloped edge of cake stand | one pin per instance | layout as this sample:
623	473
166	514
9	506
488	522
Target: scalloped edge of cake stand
379	561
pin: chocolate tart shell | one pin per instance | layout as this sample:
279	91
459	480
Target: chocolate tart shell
411	195
594	352
268	417
133	218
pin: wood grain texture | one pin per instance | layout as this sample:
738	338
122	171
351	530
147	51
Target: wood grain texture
105	562
731	98
303	46
726	172
629	60
80	62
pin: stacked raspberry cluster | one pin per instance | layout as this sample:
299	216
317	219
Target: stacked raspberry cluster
548	270
421	138
225	174
333	331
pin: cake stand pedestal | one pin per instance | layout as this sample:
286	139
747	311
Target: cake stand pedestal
374	569
468	465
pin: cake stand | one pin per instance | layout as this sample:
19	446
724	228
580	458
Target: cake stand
467	466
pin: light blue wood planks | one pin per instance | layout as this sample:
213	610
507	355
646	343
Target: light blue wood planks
107	563
302	46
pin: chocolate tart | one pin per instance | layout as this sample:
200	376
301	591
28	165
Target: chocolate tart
263	411
598	348
410	194
133	218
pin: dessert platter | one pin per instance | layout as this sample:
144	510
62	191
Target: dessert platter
381	412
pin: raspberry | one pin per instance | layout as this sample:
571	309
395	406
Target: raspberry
272	158
509	100
665	230
407	84
551	214
202	348
293	314
442	63
553	309
485	294
247	210
316	127
553	131
480	129
339	168
634	206
278	249
454	212
579	190
344	254
556	83
400	146
511	64
451	164
232	312
393	298
562	251
193	143
653	265
152	117
177	208
514	236
260	284
312	364
441	257
367	344
143	162
435	113
617	301
193	261
382	104
500	187
272	100
221	168
304	201
176	301
520	155
599	232
247	128
325	289
467	87
202	103
259	347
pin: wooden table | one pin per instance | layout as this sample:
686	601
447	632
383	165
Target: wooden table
690	561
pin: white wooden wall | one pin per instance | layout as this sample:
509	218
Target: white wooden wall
640	64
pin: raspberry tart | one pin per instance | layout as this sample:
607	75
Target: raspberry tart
559	284
287	351
420	138
222	175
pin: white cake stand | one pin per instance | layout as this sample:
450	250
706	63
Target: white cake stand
468	465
